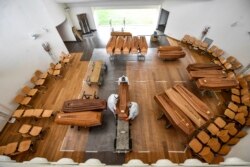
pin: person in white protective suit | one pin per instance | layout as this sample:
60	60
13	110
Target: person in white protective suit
133	110
123	79
112	101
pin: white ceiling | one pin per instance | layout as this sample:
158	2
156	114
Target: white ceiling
94	1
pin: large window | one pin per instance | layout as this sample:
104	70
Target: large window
131	17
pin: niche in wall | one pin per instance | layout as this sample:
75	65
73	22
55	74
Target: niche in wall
84	24
163	19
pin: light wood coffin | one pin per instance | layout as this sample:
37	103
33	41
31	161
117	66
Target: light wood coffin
171	55
111	45
117	33
84	119
190	112
79	105
216	83
169	48
176	117
143	45
127	45
170	52
118	45
134	45
122	104
199	106
184	109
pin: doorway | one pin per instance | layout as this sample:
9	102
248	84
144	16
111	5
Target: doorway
163	19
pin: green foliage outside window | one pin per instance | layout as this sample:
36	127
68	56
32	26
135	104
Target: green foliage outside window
131	16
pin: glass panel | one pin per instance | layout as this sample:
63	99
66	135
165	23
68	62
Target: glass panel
129	17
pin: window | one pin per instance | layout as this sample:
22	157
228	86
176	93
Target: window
129	17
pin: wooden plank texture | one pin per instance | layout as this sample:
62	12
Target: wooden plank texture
84	119
95	75
185	107
122	104
174	114
216	83
127	45
195	102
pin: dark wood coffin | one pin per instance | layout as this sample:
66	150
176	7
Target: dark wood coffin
207	74
79	105
203	66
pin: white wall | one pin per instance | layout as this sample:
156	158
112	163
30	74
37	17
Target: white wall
59	18
20	54
56	11
191	16
242	148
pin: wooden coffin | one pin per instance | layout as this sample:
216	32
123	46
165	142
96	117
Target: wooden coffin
176	117
169	48
117	33
187	109
118	45
126	45
79	105
203	66
207	74
143	45
84	119
216	83
111	45
199	106
134	45
171	55
122	104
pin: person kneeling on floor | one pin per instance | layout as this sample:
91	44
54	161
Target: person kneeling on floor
133	110
123	79
112	101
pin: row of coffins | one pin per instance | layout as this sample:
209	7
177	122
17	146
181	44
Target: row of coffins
125	45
